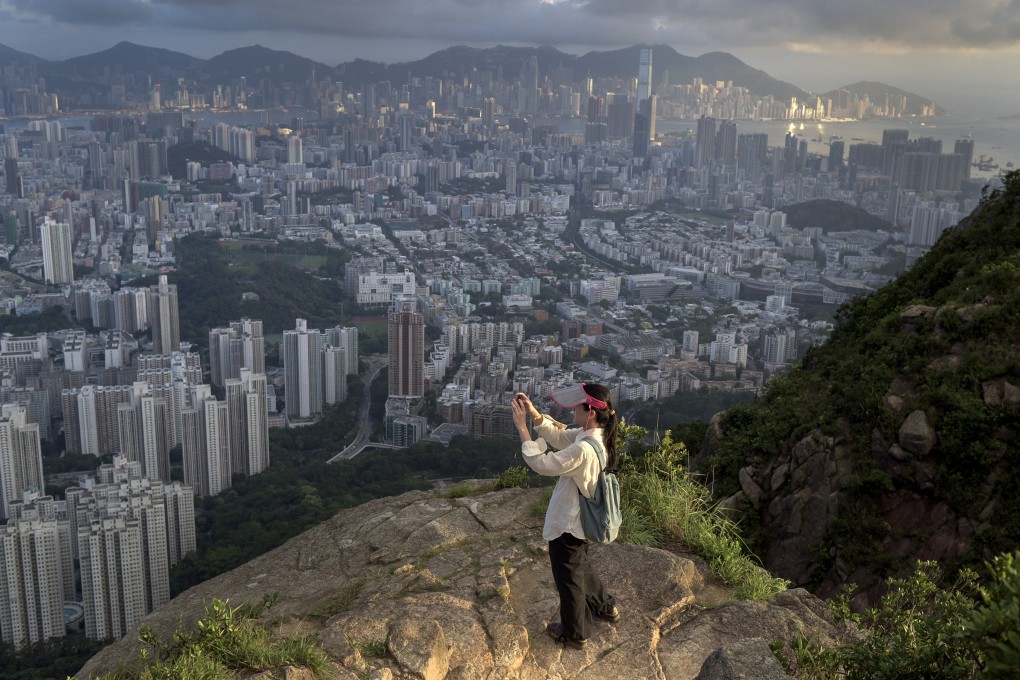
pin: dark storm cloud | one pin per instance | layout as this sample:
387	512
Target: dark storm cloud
99	12
709	24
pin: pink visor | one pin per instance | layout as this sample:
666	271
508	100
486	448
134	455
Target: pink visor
574	395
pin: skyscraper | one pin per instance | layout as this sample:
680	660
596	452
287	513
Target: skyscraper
20	456
726	143
752	149
143	425
295	150
334	374
965	147
620	112
206	445
57	252
346	337
644	117
31	581
231	349
406	346
249	425
161	308
129	532
706	138
302	371
15	185
90	418
112	582
595	128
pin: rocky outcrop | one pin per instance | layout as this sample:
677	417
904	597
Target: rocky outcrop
424	586
799	495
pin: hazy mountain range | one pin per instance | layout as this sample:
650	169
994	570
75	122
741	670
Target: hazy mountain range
257	62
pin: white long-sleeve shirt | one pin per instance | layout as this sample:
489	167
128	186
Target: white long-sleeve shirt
577	466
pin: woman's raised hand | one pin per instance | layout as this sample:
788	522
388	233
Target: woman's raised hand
525	402
520	414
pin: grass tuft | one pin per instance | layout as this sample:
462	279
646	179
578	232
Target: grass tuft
226	643
663	500
372	648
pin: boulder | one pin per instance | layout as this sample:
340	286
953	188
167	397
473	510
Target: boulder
899	453
745	660
915	313
916	434
1000	392
749	486
420	648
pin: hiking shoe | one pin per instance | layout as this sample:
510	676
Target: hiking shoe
555	631
611	616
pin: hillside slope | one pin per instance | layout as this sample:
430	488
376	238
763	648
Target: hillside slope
894	441
429	586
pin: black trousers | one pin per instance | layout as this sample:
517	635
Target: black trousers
582	593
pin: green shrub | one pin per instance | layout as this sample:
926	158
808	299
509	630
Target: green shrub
994	626
924	628
512	478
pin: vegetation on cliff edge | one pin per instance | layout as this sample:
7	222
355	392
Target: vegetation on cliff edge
943	359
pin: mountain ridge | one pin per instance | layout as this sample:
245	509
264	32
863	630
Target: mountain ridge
248	60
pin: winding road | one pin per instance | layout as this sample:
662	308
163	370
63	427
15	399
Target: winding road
362	441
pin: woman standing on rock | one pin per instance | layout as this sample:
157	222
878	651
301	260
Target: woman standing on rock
582	593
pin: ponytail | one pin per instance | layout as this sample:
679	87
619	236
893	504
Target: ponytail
607	419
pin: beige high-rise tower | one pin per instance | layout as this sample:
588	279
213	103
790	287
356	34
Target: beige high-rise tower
406	350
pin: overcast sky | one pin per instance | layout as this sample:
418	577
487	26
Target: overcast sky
963	53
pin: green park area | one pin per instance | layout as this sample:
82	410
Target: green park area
243	253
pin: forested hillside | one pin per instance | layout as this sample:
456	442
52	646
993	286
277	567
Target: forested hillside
894	441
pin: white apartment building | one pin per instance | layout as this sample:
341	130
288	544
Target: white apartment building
57	252
375	288
20	456
129	531
31	581
112	582
206	445
302	366
248	422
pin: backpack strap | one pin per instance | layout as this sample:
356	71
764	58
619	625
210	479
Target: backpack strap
600	451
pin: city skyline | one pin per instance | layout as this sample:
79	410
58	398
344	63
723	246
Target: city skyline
957	53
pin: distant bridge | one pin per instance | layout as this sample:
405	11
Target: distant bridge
357	448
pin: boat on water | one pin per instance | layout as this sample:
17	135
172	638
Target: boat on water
985	164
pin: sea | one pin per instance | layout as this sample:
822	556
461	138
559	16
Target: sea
997	140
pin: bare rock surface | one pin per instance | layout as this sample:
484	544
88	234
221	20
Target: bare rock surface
424	586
